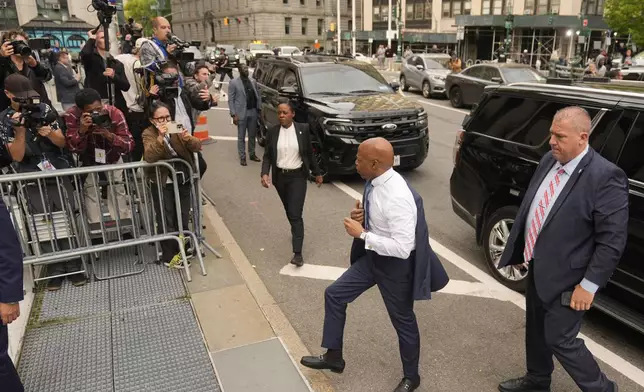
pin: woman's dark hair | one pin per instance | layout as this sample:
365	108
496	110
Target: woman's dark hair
156	105
287	102
86	96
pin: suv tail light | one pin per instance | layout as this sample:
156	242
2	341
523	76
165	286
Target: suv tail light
457	146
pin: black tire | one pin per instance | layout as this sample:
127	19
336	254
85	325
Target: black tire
506	214
427	89
456	97
403	83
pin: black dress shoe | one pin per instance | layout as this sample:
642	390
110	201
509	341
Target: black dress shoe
297	260
522	384
323	363
254	158
243	162
407	385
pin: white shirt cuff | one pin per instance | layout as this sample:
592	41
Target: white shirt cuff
589	286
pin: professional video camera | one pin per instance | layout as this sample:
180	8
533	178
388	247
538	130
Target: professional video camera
33	115
136	31
168	85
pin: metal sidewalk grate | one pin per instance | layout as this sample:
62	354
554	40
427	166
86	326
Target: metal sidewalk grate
71	356
74	302
160	348
156	284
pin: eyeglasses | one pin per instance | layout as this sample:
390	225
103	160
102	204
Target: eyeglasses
162	119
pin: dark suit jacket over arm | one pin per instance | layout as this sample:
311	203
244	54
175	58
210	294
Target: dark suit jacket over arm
11	289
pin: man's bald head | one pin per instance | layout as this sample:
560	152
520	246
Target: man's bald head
569	133
161	28
576	117
375	156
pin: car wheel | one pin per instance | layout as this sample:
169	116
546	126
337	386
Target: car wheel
495	236
427	89
456	97
403	83
261	133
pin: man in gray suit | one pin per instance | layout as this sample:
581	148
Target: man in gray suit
67	81
245	104
571	229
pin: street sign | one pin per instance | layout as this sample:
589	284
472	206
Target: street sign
370	40
585	22
391	34
508	24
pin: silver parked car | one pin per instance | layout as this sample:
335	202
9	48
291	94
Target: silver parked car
426	72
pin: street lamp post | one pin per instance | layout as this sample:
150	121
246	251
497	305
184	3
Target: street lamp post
339	30
353	27
389	25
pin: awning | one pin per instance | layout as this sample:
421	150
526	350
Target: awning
40	22
381	35
532	21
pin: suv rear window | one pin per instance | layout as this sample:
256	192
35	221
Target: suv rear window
516	119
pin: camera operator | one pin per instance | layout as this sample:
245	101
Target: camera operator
156	50
17	57
36	142
67	81
136	119
100	135
132	32
101	68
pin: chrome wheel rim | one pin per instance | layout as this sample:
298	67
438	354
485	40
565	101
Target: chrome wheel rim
426	89
402	82
498	239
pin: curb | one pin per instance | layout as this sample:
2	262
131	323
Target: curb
318	381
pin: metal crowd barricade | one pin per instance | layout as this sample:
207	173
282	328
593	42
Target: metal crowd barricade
49	212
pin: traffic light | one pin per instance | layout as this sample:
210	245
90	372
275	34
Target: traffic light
225	21
332	26
550	20
238	20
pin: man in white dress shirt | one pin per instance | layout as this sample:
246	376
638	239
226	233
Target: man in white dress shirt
389	217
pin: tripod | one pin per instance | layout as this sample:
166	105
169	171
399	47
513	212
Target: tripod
105	19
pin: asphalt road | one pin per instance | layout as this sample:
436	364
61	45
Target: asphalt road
469	343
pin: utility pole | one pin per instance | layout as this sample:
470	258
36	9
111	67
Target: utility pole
399	27
353	27
389	25
339	31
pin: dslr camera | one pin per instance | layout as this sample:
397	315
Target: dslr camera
35	115
174	40
21	48
101	119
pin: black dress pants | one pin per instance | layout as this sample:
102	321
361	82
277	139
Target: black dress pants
137	122
291	187
9	378
552	329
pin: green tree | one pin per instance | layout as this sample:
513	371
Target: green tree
626	17
144	10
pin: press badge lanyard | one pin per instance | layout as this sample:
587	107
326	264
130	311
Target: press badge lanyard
100	156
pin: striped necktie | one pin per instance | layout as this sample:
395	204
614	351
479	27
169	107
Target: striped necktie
367	192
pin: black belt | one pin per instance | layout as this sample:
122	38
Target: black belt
299	169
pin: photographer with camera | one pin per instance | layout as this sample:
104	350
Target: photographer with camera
99	134
36	142
196	85
131	32
101	69
17	57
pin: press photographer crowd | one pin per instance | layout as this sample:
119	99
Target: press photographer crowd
142	104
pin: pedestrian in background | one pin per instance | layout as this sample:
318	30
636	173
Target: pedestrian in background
571	230
381	57
11	293
245	105
391	250
389	56
455	64
289	155
67	81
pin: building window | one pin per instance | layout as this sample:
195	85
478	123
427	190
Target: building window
287	25
350	26
302	2
592	7
494	7
428	10
320	26
318	3
305	23
419	11
542	7
349	4
285	1
549	7
410	11
451	8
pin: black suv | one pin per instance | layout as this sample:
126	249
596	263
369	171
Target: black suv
496	154
345	102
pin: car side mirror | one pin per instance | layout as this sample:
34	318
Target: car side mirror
288	91
420	67
497	79
395	85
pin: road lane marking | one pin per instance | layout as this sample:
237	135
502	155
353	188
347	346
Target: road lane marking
228	138
501	292
326	272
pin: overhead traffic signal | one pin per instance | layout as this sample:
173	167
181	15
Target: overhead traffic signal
226	21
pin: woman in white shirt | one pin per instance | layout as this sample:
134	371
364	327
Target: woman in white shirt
289	154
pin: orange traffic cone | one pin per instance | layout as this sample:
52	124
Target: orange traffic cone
201	129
